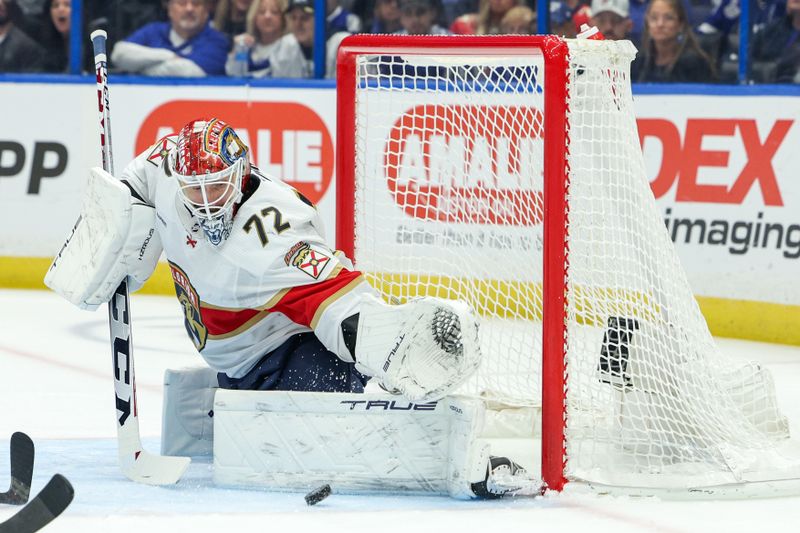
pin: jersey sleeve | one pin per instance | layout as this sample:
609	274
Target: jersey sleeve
280	242
324	305
141	174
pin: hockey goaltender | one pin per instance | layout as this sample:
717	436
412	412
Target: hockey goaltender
290	331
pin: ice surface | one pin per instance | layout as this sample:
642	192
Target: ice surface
55	385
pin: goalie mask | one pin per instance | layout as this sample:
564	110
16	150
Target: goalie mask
210	164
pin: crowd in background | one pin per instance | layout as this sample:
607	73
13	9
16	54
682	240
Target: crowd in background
678	40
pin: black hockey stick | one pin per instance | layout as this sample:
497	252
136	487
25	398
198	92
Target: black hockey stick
40	511
136	463
21	470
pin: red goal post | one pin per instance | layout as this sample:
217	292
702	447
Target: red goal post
555	162
506	171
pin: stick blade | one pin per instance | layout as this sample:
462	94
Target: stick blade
22	457
53	499
152	469
138	464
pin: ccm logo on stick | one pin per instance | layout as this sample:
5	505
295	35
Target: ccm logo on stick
121	333
682	161
458	163
49	161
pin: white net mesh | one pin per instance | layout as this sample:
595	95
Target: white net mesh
449	195
449	202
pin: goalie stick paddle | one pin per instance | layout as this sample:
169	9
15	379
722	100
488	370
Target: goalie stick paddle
136	463
41	510
22	453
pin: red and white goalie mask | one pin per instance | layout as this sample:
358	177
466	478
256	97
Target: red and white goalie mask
210	163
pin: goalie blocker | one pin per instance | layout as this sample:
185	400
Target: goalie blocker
114	237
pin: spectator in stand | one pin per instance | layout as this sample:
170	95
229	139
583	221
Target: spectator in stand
487	20
55	38
581	13
265	27
573	13
561	20
230	16
386	18
788	68
121	18
31	7
293	56
18	52
722	22
453	9
778	43
670	51
519	20
55	35
340	19
418	17
636	11
724	15
566	17
364	10
612	18
368	12
186	46
33	17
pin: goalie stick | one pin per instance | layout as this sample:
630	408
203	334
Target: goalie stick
137	464
21	452
41	510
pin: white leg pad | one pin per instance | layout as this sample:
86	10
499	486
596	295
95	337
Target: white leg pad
356	442
187	421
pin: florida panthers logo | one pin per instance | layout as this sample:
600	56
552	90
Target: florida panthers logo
307	259
160	150
190	302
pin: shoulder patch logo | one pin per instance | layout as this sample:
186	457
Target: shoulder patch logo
161	149
307	259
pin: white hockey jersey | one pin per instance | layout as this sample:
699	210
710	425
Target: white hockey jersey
273	277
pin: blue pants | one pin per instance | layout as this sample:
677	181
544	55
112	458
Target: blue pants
301	363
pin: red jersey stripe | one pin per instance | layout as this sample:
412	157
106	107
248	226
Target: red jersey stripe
300	304
223	321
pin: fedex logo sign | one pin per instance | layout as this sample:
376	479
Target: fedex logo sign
462	163
287	140
682	161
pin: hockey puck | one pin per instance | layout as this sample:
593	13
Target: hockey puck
318	494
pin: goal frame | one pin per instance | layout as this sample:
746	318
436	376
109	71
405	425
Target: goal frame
556	186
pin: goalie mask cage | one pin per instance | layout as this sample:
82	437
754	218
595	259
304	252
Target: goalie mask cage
506	171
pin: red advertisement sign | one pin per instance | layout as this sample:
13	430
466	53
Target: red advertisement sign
684	159
463	163
287	140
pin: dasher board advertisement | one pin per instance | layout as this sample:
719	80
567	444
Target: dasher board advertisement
723	169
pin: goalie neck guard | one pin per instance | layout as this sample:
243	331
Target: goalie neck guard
210	163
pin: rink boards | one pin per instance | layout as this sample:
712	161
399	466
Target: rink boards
720	161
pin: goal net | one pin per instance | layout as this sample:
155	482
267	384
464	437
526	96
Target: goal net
507	172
